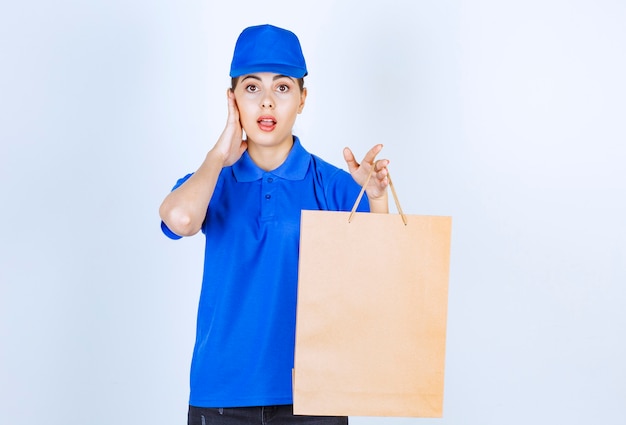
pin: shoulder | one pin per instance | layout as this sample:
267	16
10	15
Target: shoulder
339	188
328	173
325	168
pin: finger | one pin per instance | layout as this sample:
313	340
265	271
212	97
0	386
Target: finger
380	167
370	156
381	173
350	159
233	111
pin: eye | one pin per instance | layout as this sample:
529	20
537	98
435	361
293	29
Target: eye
251	88
283	88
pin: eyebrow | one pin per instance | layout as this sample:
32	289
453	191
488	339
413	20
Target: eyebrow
276	77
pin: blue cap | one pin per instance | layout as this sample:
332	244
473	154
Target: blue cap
266	48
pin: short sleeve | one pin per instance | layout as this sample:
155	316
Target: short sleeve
166	230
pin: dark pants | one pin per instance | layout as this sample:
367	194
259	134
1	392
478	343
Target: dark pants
270	415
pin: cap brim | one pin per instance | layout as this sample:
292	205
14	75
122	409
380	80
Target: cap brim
290	71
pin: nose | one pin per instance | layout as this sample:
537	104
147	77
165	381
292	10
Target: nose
267	101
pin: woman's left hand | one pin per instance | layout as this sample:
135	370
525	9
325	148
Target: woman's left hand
377	187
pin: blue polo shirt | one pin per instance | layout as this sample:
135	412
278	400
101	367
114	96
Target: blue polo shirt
245	336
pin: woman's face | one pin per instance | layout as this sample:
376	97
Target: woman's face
268	105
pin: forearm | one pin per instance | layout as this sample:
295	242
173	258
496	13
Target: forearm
184	209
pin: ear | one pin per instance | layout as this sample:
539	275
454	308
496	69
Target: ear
302	99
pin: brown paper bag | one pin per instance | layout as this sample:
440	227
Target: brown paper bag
371	314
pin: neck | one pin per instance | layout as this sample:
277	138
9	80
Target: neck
269	158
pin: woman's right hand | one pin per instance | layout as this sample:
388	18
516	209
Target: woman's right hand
230	146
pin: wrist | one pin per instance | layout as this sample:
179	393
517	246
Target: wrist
379	204
215	159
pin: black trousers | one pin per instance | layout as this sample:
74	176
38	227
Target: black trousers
261	415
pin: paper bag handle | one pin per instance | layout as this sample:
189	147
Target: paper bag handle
393	191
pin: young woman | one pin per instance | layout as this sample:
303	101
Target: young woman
246	197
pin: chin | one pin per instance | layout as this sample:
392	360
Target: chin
269	139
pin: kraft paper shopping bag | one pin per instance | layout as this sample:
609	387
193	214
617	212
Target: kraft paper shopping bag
371	314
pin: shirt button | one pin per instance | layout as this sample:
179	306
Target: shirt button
268	196
269	180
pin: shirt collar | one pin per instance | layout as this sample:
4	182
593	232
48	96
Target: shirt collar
294	167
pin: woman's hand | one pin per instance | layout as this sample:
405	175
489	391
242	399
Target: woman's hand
230	146
376	189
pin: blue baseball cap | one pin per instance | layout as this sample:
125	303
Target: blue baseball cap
266	48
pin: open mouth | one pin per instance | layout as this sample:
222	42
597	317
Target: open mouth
266	123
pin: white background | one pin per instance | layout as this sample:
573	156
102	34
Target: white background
508	116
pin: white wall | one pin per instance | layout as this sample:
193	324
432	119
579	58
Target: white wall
508	116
